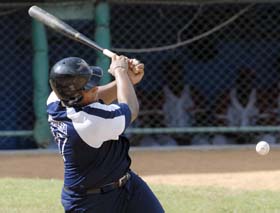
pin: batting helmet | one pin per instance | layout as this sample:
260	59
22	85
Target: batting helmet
70	76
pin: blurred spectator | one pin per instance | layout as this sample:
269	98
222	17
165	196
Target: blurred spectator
181	104
239	107
242	110
178	104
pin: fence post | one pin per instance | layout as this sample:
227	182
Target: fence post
40	80
102	37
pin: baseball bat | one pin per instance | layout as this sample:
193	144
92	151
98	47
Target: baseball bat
65	29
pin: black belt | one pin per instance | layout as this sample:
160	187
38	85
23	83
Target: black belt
107	187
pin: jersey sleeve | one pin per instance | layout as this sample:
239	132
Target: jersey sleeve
110	112
97	123
124	111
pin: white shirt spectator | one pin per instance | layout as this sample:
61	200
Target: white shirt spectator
238	115
177	109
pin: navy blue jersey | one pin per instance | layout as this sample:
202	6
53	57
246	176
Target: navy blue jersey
91	142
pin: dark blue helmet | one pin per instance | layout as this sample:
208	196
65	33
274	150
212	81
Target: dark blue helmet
70	76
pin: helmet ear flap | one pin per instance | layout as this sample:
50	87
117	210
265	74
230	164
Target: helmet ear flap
96	75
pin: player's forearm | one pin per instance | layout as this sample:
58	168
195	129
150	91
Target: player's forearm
108	92
126	93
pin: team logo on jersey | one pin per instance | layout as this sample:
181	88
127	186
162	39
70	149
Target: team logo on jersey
59	132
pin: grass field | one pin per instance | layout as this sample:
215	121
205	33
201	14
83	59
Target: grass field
38	195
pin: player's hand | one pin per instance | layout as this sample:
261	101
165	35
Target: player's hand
118	64
135	71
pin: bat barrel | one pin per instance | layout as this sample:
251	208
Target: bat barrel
52	22
65	29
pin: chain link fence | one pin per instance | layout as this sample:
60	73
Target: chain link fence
212	70
16	92
208	65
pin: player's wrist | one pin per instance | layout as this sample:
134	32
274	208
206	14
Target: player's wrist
120	69
119	72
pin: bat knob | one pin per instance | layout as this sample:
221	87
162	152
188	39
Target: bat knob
32	9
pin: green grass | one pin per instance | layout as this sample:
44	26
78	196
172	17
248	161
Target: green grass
216	200
30	195
37	195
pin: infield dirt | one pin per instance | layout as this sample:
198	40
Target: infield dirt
230	168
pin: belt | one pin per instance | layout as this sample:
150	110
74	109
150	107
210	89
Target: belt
107	187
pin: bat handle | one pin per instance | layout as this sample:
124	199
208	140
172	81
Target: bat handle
108	53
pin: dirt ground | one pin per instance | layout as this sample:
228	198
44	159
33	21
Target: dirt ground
231	168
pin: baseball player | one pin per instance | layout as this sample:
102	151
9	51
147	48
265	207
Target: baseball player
88	130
